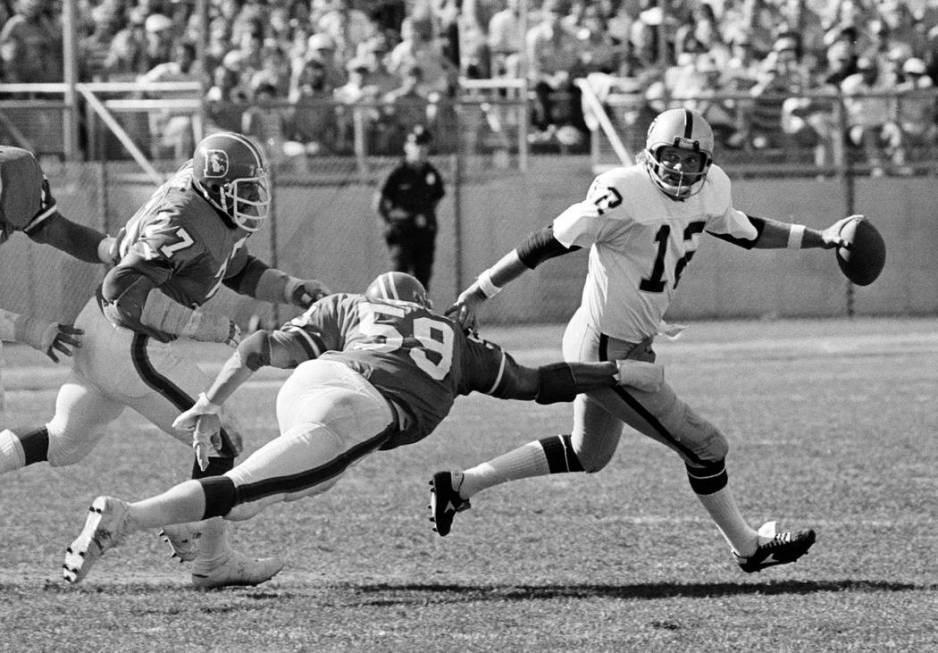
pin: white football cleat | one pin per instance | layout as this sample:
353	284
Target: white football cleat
105	527
183	541
234	569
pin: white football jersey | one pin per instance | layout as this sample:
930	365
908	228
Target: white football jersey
640	242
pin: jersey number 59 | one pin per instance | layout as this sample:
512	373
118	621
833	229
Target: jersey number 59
435	336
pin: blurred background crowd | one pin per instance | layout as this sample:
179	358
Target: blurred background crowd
762	71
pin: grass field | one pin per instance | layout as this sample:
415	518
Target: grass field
832	425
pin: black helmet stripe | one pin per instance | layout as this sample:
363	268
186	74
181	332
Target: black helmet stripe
688	123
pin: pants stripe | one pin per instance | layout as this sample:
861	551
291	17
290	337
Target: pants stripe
311	477
162	384
644	413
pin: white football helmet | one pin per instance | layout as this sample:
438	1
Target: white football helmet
684	129
228	170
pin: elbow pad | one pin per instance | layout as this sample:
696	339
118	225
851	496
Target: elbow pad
125	293
540	246
745	243
555	384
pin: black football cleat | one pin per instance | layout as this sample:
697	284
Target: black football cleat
776	548
445	502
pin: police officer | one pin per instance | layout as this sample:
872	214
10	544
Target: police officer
406	204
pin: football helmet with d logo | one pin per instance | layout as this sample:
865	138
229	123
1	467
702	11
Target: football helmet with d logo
228	170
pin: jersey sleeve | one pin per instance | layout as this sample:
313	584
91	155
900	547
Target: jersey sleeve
21	190
724	219
319	329
483	366
582	224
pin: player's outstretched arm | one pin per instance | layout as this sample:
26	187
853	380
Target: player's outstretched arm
260	349
778	235
84	243
260	281
534	250
47	337
562	382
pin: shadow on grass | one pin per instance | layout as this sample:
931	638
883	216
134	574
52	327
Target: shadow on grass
448	593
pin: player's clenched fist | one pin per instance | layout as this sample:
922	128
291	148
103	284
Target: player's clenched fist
305	292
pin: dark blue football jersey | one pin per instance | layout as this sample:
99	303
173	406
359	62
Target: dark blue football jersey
416	358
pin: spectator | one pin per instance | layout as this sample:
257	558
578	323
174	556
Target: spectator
311	121
265	121
402	108
171	130
354	92
552	52
274	71
598	52
30	45
322	48
916	116
505	40
841	63
781	78
870	115
418	50
93	49
406	204
345	26
159	40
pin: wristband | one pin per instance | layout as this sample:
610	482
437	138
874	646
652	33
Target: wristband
486	285
796	236
205	406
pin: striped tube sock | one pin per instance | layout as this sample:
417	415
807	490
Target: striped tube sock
552	455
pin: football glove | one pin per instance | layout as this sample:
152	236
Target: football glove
305	292
59	337
465	309
203	421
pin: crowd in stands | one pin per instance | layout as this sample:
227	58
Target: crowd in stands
271	66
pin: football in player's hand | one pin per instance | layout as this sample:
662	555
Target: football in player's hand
862	259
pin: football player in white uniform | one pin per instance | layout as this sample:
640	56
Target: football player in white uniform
643	224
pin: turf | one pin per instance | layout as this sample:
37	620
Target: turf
831	424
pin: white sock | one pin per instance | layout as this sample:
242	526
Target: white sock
723	510
12	456
213	545
523	462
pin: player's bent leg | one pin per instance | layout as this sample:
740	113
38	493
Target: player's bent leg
82	414
595	435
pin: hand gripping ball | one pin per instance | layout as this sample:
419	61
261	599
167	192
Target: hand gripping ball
862	259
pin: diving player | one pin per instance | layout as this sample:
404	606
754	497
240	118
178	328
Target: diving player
373	372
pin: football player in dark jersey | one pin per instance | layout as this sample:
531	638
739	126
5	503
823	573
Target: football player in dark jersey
27	205
373	371
186	242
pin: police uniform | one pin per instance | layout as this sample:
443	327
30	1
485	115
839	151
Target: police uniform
408	200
